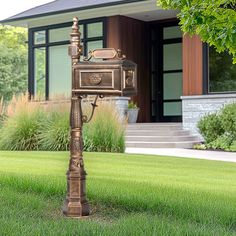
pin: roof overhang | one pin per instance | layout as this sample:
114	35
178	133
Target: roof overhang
142	10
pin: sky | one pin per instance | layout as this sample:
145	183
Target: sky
12	7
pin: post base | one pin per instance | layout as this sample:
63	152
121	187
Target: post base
76	209
76	204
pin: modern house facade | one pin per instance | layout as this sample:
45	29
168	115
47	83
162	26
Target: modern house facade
179	77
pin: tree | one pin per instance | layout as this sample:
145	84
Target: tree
13	61
213	20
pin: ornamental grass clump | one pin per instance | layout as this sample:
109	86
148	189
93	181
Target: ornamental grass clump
45	126
105	132
20	130
2	112
54	132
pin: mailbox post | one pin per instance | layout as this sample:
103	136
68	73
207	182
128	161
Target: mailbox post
114	76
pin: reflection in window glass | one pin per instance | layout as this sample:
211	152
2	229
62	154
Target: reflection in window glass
222	73
39	72
40	37
95	30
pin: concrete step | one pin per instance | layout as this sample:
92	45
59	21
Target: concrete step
154	132
153	126
161	138
156	124
183	144
159	135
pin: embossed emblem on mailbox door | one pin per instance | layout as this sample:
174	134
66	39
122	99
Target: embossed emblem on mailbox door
103	79
95	79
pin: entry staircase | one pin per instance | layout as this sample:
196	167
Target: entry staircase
159	135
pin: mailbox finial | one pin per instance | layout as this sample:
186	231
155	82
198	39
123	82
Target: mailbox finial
75	49
75	25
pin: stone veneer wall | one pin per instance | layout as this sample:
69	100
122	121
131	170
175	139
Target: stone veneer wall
194	107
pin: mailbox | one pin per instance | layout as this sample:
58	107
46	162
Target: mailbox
112	75
108	77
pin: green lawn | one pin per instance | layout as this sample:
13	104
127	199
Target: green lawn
129	195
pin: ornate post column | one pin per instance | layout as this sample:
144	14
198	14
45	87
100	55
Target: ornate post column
76	204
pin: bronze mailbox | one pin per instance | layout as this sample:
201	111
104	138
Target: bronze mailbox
110	77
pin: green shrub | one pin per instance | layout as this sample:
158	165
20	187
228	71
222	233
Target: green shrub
222	142
228	119
233	146
219	129
210	127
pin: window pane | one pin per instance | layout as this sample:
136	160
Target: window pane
173	56
172	108
172	85
172	32
222	73
59	71
62	34
95	29
39	72
40	37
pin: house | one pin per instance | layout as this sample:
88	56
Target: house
179	77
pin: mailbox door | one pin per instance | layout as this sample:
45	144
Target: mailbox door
97	79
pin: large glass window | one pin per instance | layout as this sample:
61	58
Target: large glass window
50	69
222	73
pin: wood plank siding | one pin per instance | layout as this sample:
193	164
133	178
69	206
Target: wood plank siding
192	66
131	36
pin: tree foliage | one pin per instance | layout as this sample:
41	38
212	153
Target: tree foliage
213	20
13	61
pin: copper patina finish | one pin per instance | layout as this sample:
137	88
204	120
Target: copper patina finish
76	204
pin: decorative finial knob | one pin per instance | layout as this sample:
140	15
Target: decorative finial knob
75	25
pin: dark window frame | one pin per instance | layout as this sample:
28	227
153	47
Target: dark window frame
206	73
47	44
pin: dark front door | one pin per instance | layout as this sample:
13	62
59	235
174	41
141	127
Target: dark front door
166	72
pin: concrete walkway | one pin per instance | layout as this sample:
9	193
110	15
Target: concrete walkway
187	153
